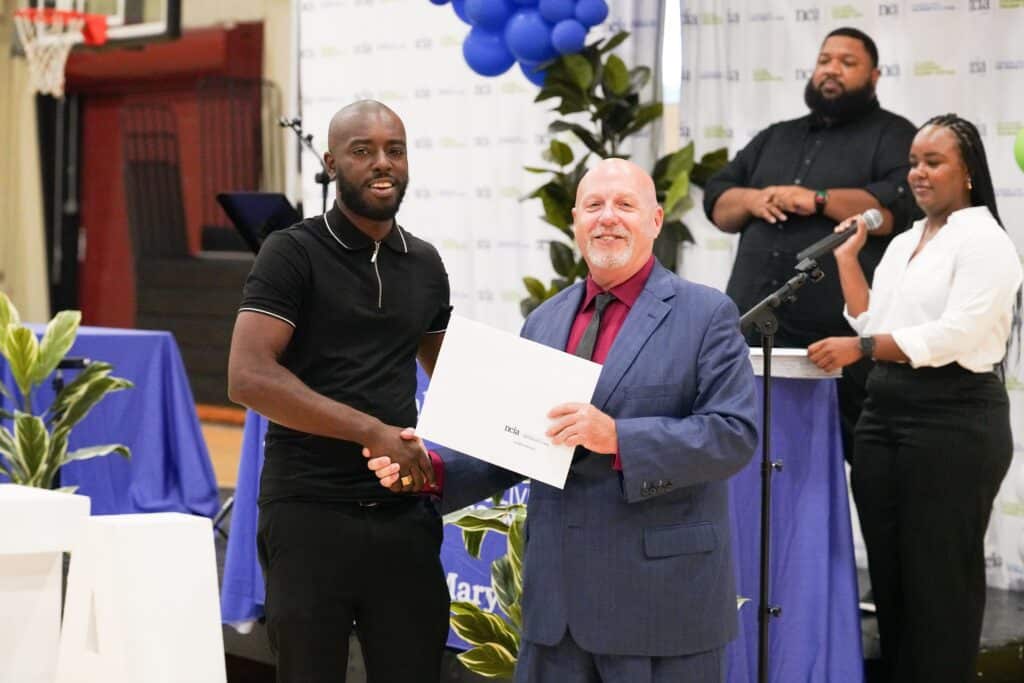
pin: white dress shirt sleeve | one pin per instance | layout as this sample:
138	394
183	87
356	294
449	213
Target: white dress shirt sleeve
860	323
986	277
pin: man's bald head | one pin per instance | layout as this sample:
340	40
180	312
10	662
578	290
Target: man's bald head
620	171
615	220
350	119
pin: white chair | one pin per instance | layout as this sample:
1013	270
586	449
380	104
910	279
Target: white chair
142	603
36	527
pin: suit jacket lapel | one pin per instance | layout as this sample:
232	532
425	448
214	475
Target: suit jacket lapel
553	330
647	313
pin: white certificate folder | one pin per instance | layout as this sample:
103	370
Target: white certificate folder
490	395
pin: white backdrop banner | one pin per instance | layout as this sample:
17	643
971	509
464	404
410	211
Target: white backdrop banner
745	66
469	136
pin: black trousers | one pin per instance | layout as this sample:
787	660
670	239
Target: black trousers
932	446
328	566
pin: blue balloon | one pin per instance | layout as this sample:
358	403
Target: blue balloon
439	2
529	70
555	11
528	36
590	12
460	10
486	53
568	36
488	14
525	3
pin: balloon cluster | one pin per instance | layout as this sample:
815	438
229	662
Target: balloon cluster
525	31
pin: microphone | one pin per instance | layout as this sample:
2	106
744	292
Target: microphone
873	218
288	123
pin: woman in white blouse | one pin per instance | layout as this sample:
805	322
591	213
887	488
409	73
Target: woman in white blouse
933	441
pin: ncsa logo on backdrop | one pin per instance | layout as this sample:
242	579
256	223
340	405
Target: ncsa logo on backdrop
977	66
803	74
690	19
979	5
810	14
888	9
889	70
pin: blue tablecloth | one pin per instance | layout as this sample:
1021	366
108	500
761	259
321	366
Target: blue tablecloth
813	574
170	469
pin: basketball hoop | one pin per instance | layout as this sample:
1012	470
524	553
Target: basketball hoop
47	36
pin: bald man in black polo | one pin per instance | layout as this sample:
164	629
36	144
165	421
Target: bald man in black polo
334	315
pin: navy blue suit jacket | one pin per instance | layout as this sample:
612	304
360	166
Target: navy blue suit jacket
638	562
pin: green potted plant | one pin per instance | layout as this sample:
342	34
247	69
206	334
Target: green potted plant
596	86
34	443
495	640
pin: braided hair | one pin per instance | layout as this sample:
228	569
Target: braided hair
973	153
983	193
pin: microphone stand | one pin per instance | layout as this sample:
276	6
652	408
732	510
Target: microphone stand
762	318
323	176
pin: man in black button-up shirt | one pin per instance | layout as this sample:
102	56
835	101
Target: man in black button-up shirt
334	315
797	179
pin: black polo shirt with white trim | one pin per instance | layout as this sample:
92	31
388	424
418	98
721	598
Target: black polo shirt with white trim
359	309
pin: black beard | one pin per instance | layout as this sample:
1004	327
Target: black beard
849	106
352	197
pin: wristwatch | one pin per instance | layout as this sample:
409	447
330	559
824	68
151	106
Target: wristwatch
867	347
820	200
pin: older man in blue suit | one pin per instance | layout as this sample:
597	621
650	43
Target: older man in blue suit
628	572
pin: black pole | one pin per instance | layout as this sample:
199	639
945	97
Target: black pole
762	318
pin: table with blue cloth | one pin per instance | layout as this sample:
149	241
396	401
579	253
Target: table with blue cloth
170	469
813	575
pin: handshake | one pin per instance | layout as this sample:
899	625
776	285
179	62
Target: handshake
401	462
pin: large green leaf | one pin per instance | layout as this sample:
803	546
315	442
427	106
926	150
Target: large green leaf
22	352
55	458
97	451
8	313
74	389
562	259
559	153
709	164
473	539
644	115
677	191
614	41
535	287
506	586
584	135
639	77
57	340
616	76
478	523
490	660
555	211
92	394
516	547
477	627
33	444
580	70
9	449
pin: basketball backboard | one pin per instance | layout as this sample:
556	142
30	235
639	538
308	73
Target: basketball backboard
129	22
